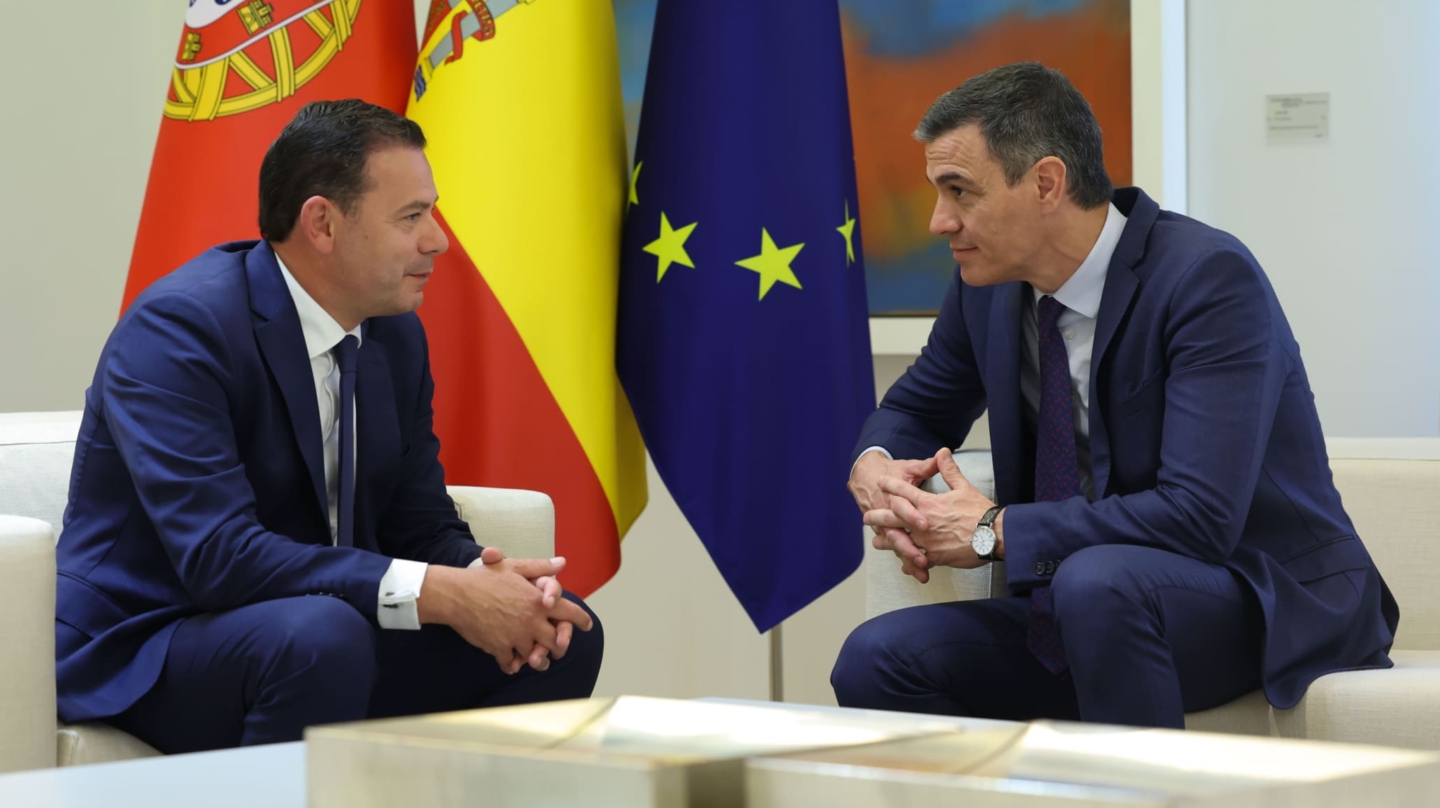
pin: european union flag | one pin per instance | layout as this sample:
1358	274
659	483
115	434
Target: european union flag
744	342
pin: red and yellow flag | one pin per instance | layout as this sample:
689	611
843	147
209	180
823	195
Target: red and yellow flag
520	101
242	70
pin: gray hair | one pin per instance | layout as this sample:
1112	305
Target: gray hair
1027	112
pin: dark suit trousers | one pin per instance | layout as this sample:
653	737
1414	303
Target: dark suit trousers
262	673
1149	636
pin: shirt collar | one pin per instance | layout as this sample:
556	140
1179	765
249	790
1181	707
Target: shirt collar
1081	294
321	331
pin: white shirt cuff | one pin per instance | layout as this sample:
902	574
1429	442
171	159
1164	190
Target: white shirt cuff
880	449
399	590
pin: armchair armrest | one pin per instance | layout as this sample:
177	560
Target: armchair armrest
27	654
522	523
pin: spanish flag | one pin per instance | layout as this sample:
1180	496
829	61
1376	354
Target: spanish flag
242	70
520	102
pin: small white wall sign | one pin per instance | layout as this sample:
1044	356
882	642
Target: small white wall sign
1297	117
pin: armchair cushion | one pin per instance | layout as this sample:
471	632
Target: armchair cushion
36	450
27	654
95	742
1399	706
522	523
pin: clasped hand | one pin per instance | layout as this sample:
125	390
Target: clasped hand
512	609
924	530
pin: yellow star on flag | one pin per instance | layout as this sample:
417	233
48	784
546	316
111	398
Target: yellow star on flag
670	247
773	263
848	230
634	178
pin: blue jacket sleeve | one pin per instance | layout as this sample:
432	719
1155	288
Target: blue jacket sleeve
1227	367
938	399
166	405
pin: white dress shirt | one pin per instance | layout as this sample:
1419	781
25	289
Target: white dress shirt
400	586
1081	298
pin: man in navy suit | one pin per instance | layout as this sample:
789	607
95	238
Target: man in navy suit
1172	535
257	510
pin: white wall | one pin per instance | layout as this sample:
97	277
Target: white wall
1157	100
1346	229
81	95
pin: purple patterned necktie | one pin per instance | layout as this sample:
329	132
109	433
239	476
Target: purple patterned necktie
1057	471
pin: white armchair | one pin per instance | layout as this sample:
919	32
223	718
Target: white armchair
35	455
1391	489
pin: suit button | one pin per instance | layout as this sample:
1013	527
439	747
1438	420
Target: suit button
1049	567
1039	567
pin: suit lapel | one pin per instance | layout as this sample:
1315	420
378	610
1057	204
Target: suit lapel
1120	287
377	440
1003	391
1121	284
277	330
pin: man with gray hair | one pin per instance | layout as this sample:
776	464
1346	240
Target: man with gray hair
1164	502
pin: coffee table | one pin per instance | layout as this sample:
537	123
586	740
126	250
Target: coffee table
268	776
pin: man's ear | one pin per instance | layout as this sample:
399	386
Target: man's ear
1050	176
318	220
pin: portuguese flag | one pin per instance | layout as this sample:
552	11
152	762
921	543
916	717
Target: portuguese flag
520	102
243	68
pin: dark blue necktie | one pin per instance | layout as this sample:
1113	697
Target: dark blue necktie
1057	469
345	355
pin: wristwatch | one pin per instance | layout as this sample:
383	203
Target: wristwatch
983	540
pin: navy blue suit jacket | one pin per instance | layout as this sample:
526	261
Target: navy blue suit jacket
1204	439
198	482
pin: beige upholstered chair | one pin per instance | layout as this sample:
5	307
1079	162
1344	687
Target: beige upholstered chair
1391	489
35	454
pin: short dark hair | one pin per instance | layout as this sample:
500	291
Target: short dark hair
322	152
1027	112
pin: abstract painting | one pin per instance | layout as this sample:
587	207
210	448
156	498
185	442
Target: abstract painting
900	55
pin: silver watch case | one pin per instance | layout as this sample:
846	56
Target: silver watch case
983	540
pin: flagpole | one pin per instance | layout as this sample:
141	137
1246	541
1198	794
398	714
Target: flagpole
777	664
